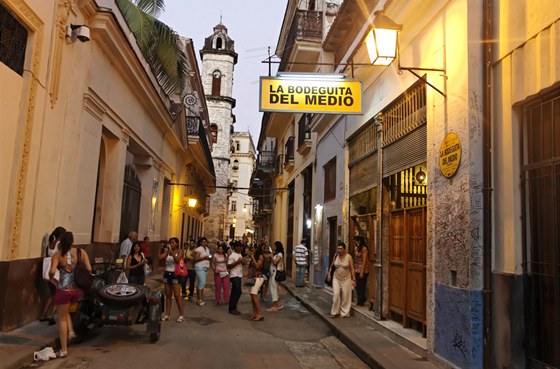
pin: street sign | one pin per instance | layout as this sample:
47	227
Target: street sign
310	95
450	155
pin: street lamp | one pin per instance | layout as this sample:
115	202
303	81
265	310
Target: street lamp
381	41
192	202
382	46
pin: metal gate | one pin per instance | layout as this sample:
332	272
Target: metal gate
130	211
541	206
407	267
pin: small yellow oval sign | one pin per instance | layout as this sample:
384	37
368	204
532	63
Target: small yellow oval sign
450	155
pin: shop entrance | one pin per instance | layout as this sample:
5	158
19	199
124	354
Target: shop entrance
407	267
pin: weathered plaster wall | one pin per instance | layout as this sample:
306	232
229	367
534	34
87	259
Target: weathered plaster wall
455	211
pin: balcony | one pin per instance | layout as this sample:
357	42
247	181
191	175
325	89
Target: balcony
265	162
304	38
289	154
304	134
198	140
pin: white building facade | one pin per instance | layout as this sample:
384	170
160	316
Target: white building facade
240	213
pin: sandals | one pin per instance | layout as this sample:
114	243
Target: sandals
201	303
255	319
165	318
181	319
62	354
272	309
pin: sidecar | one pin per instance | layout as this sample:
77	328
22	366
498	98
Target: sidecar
128	304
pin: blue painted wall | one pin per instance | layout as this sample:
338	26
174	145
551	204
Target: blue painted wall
459	326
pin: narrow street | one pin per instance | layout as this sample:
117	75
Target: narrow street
212	338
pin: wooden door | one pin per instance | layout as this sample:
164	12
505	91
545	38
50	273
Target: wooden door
397	271
416	266
407	266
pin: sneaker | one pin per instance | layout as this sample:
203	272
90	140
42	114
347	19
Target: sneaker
235	312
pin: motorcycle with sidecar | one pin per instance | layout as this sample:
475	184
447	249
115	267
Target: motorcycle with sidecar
113	304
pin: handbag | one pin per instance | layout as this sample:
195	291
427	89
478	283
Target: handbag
82	277
281	274
181	268
147	269
250	281
331	274
47	261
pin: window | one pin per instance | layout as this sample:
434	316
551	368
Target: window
330	180
234	206
541	202
216	83
234	184
237	146
235	165
214	132
219	43
13	40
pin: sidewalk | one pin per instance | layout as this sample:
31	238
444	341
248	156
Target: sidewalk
17	346
366	337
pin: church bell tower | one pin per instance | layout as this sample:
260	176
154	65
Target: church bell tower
218	60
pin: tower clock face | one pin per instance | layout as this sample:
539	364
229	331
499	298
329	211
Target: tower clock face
216	74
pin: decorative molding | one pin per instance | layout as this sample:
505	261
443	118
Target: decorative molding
94	107
34	23
63	9
125	137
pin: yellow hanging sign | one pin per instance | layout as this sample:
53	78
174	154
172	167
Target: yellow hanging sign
450	155
327	96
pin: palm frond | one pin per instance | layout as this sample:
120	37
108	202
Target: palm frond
168	59
140	23
152	7
160	45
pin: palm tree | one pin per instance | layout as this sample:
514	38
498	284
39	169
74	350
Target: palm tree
160	45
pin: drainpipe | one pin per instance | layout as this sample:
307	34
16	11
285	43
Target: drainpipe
378	266
487	180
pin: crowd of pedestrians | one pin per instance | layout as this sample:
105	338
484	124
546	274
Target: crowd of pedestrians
191	263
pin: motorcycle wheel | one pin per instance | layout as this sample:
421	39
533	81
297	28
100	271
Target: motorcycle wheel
122	294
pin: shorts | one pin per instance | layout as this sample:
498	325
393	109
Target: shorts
257	286
201	276
64	297
170	278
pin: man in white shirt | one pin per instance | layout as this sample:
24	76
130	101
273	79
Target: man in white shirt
301	256
235	267
126	245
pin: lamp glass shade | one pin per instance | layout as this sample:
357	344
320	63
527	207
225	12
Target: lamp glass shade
192	202
381	44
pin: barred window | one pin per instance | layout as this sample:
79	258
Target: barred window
13	40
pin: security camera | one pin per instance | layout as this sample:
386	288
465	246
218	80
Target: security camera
83	34
78	32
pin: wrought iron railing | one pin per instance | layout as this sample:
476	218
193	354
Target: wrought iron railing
193	125
306	26
405	114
